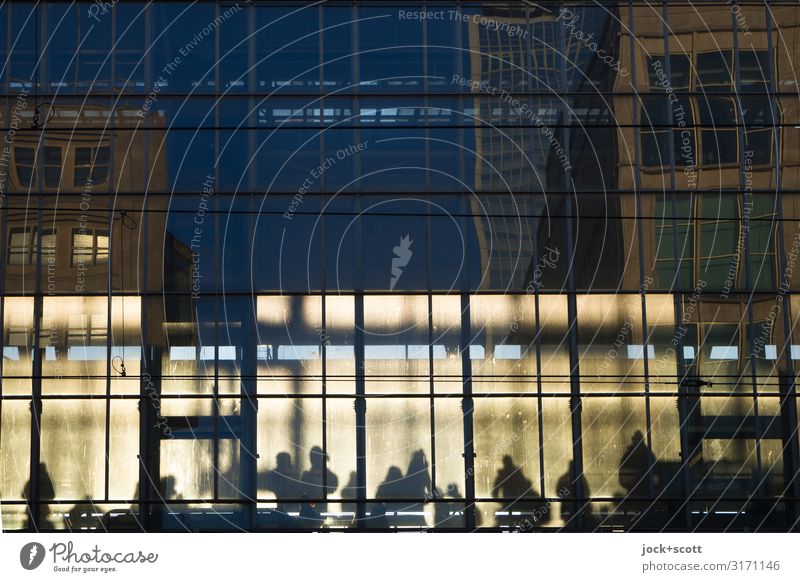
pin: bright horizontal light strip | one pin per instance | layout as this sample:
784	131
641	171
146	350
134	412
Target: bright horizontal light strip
11	353
385	352
187	353
340	353
392	352
224	353
267	352
476	352
724	353
182	353
298	352
98	353
420	352
507	352
636	352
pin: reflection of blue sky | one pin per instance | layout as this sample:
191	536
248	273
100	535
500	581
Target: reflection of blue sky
288	254
402	156
393	54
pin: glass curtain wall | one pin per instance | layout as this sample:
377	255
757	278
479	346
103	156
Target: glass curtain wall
436	265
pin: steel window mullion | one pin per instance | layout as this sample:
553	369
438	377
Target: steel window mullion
150	442
36	400
677	282
250	403
360	406
360	403
218	263
576	407
323	258
643	286
535	259
744	224
145	436
215	405
109	342
5	108
467	402
431	360
788	398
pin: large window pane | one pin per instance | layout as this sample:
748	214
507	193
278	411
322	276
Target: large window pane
502	348
289	344
18	343
73	448
507	462
396	357
609	343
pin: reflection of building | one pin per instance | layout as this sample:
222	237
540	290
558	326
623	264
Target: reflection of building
507	160
79	160
57	184
710	155
274	382
529	148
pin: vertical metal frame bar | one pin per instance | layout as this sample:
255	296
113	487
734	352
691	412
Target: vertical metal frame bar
581	502
684	414
643	285
36	400
788	383
744	220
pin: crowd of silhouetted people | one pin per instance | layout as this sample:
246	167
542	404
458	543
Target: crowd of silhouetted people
401	497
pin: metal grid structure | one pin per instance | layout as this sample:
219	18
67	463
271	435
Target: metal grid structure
309	265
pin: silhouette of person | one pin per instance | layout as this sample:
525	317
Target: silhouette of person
567	489
80	516
168	513
451	513
168	488
377	517
392	484
391	488
350	491
124	519
309	516
512	483
417	481
46	493
634	465
417	485
282	482
312	480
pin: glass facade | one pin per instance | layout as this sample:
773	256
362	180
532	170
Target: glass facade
366	265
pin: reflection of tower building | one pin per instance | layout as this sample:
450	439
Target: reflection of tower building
505	161
530	152
499	59
712	154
